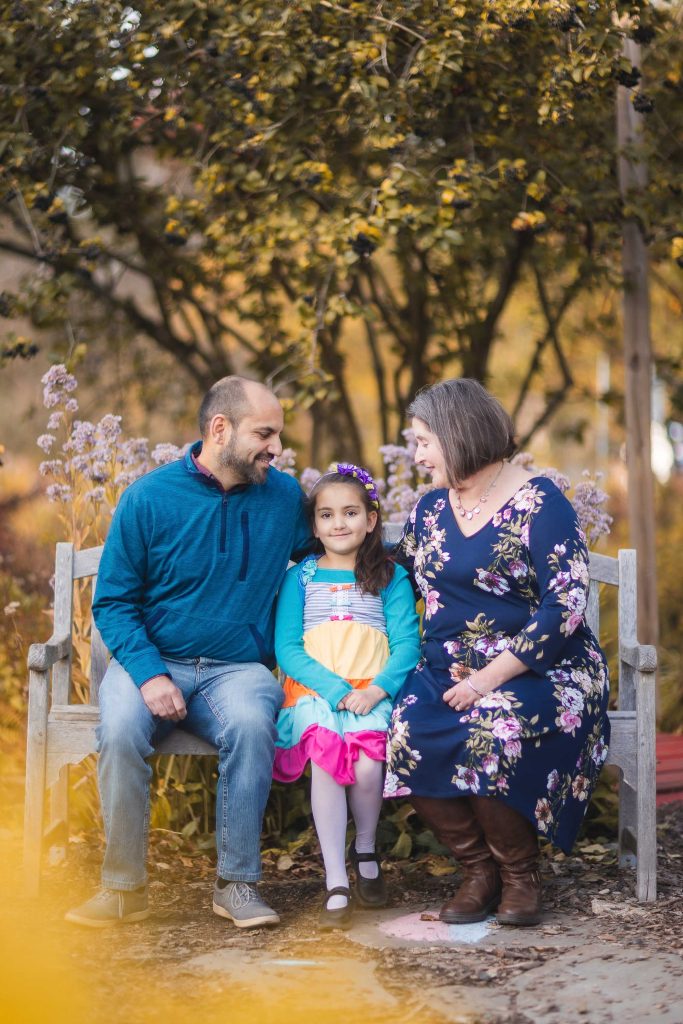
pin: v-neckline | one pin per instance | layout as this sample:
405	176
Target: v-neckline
470	536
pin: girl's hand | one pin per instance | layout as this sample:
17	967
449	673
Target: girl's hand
360	702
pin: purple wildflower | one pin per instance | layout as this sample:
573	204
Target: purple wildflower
163	453
58	492
109	427
588	501
561	481
45	441
286	462
82	436
309	477
134	451
57	383
50	467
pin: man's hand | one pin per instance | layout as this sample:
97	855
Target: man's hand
163	698
360	702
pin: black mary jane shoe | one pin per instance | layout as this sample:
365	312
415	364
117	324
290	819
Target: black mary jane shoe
369	892
341	916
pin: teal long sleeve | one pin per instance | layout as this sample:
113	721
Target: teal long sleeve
402	635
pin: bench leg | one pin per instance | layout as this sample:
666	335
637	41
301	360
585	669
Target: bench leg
36	751
646	876
58	831
628	823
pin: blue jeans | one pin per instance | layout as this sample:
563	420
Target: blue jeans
232	706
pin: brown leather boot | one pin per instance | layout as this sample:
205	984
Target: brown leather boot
453	823
514	844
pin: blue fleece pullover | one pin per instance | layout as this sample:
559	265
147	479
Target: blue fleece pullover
190	570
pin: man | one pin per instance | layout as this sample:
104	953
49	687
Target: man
195	555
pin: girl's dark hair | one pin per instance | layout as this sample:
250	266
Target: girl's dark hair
374	568
472	426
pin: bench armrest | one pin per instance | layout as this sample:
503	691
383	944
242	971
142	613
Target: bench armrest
641	657
41	657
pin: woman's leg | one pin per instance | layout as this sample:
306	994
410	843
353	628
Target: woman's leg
328	805
513	842
453	822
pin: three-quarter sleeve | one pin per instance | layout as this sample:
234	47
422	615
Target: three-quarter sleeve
559	561
402	633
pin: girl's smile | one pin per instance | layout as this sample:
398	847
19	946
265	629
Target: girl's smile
341	524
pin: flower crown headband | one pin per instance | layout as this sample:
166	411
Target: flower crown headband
360	474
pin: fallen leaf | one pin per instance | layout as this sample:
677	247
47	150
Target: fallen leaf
600	907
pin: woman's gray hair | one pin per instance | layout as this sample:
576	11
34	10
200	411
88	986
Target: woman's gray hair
473	428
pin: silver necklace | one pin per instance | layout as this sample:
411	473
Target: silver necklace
468	513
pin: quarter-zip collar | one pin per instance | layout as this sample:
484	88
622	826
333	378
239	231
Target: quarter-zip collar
194	466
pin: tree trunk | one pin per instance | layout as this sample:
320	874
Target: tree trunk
637	363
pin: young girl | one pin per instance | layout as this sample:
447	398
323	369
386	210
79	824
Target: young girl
346	637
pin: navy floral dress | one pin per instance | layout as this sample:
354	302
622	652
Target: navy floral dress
520	583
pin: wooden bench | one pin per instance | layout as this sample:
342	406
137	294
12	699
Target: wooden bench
61	733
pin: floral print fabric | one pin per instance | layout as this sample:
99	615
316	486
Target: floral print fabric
520	583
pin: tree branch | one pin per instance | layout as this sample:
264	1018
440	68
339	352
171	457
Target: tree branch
552	320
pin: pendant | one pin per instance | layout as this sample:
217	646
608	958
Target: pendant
462	512
476	511
469	515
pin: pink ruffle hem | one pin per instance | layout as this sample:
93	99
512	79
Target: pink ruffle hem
335	754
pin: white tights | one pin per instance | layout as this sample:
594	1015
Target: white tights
328	804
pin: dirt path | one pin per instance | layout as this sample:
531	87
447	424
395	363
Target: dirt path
598	956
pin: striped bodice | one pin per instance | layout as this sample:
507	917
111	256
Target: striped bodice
344	602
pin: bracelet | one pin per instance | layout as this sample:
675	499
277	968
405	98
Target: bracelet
473	688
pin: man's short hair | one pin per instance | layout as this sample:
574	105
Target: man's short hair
227	397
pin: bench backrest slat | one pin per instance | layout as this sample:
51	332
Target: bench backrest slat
604	568
73	565
87	562
593	608
63	619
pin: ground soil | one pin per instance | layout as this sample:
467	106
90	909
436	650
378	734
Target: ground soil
185	957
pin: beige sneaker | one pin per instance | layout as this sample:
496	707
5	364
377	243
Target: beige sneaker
110	907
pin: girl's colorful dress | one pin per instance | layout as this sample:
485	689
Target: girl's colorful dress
329	638
520	583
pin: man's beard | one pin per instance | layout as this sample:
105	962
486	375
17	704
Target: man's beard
250	472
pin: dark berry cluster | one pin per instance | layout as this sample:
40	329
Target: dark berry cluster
644	34
362	245
643	104
629	79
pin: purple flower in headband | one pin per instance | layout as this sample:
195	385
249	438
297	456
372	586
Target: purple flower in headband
360	474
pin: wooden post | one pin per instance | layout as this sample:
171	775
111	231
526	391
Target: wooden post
637	360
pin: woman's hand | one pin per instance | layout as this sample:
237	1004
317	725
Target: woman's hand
462	696
360	702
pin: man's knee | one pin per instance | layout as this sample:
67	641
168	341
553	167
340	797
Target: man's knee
250	725
125	720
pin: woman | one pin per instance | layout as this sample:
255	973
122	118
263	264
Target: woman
501	730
